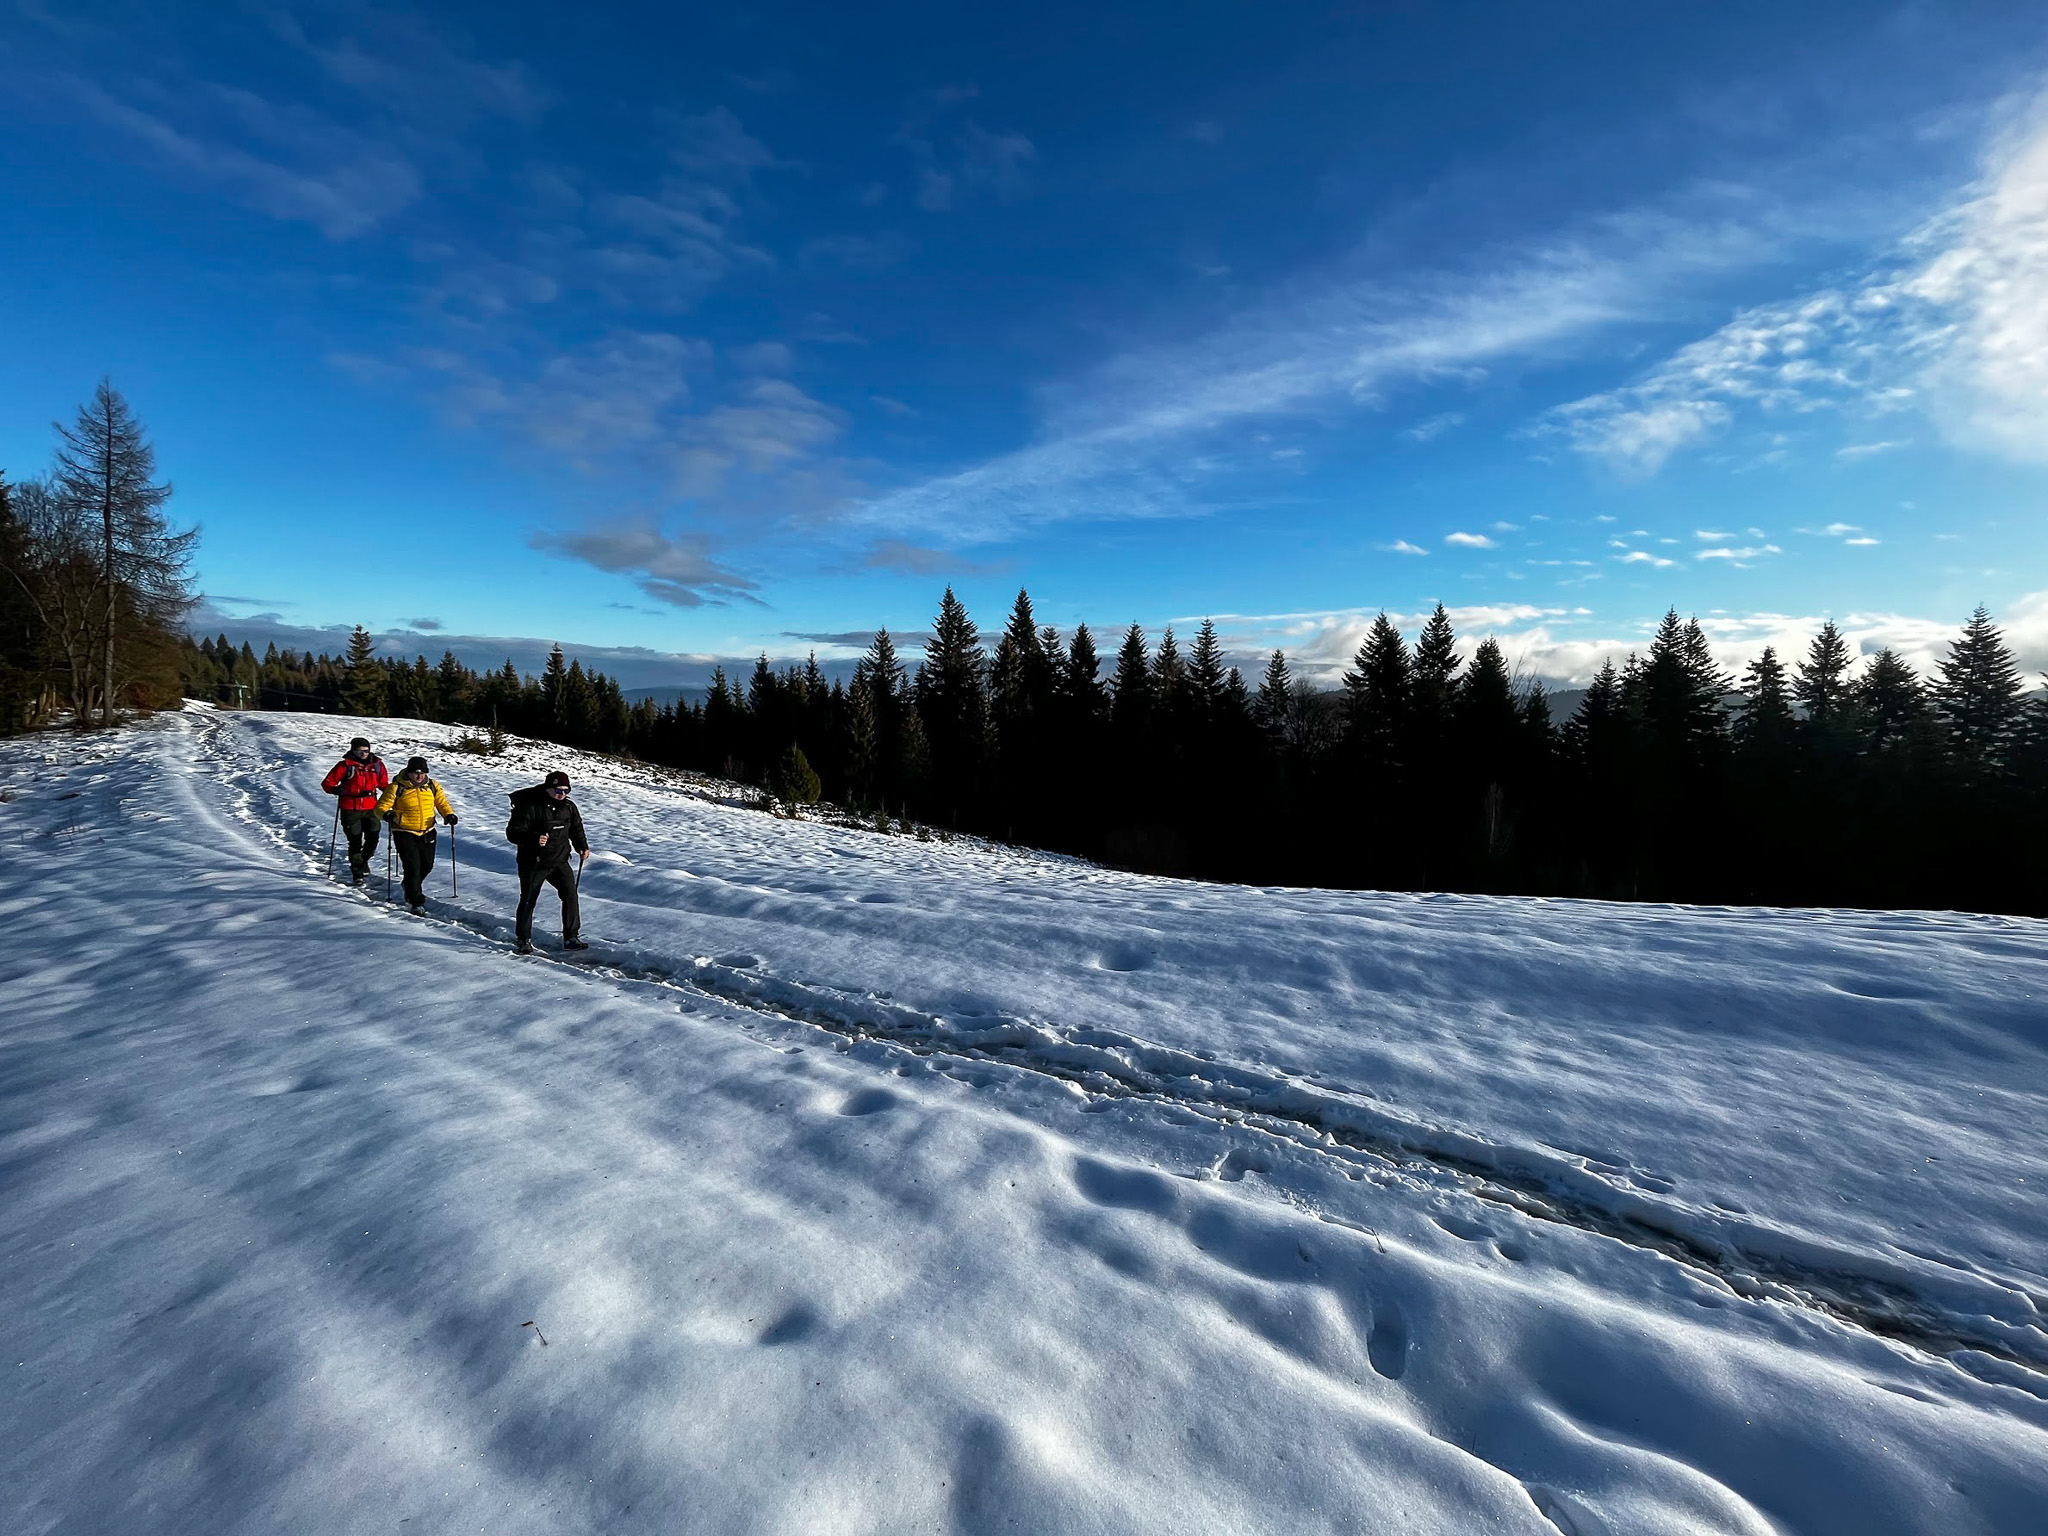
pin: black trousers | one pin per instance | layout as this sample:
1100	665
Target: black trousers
416	858
531	878
360	827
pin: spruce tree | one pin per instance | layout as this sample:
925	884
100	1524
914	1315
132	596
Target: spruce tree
1977	692
1207	683
1169	691
952	705
554	692
363	690
1276	697
722	721
425	704
1021	676
1435	669
857	753
2029	756
794	780
579	708
1020	709
1130	709
1821	683
1891	705
1081	679
454	685
1377	693
1485	699
1764	722
881	674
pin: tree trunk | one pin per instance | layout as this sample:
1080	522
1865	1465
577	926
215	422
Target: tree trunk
107	517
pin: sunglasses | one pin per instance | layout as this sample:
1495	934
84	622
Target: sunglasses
558	789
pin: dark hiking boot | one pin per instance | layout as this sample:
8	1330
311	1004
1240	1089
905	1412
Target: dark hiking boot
522	948
419	908
574	944
356	878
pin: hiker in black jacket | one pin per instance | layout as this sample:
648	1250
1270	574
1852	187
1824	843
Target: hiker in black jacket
547	827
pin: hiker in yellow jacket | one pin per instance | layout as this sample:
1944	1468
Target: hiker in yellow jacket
408	808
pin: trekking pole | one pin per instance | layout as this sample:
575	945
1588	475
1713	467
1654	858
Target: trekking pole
331	836
451	861
390	837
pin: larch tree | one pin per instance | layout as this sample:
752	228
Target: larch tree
105	473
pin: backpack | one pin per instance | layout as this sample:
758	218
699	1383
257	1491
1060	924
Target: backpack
522	800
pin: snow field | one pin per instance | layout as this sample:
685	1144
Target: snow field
1003	1248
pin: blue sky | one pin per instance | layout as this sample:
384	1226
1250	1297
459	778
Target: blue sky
695	331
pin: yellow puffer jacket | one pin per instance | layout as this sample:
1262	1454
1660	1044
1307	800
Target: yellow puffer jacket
415	806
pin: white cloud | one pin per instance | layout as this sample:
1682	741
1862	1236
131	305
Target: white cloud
1148	434
1708	536
1540	641
1644	557
1731	552
284	161
1863	542
1954	326
1434	426
1469	540
1403	547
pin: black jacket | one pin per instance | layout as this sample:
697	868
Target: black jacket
533	813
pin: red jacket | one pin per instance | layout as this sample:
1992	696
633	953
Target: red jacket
358	783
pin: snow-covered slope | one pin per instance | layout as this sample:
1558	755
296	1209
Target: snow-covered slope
859	1183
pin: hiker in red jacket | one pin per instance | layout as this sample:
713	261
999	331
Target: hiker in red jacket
358	779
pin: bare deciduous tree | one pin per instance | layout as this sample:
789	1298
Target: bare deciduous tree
105	479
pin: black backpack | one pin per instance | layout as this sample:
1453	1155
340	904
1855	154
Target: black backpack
522	800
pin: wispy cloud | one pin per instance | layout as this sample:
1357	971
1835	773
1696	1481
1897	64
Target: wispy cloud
1403	547
952	157
1434	426
1469	540
1953	326
672	568
301	167
1124	442
1171	430
915	560
1644	557
1738	556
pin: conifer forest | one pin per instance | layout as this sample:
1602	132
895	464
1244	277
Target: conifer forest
1820	778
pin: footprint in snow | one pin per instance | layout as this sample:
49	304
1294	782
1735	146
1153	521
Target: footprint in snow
740	962
1387	1345
869	1101
1465	1228
1124	957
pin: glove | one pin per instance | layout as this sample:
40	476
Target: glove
453	819
388	816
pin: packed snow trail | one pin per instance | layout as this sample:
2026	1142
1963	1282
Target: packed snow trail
285	1173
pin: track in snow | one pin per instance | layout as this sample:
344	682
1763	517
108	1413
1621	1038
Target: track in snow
1975	1316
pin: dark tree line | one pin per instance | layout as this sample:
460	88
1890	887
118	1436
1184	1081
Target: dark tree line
93	578
1802	781
1671	780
